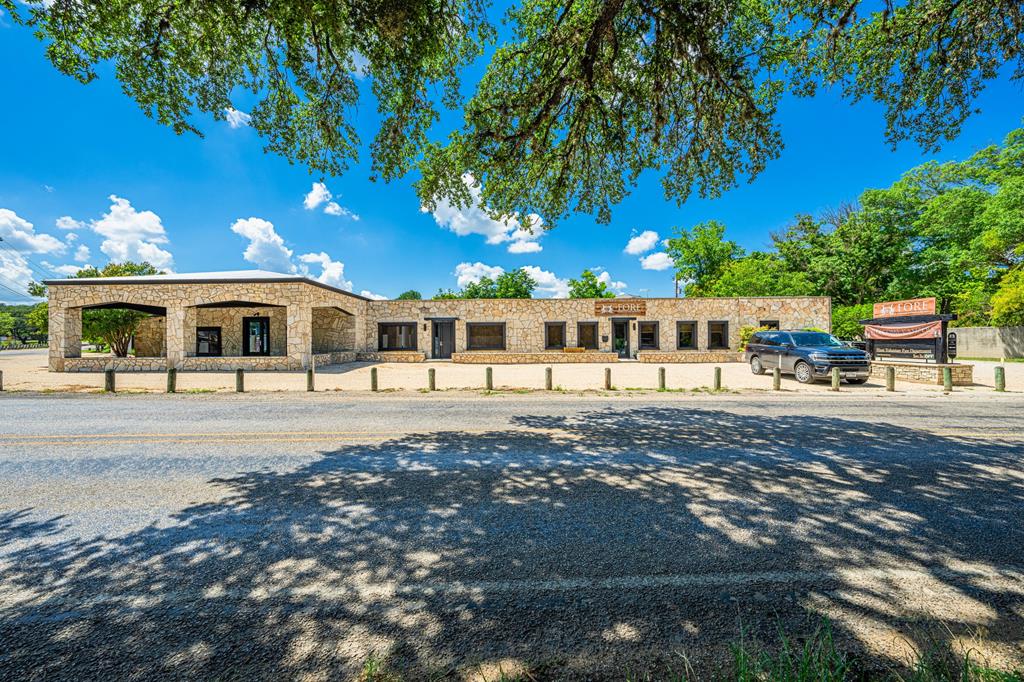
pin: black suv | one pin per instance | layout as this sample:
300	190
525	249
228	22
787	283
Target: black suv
807	355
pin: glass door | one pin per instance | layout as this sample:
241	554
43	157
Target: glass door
255	336
444	339
620	337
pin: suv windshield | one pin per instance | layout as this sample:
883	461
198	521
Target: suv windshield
815	339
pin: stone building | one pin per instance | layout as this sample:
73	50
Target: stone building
268	321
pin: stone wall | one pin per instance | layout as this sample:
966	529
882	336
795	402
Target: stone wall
230	322
333	358
482	357
333	330
989	342
668	357
921	373
525	318
100	363
149	339
261	363
391	356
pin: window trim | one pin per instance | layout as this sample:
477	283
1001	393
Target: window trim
725	334
415	339
547	344
597	335
220	342
693	327
504	334
640	336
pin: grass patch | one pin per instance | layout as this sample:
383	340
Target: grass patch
961	359
192	391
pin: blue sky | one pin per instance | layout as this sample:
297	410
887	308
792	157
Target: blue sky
85	177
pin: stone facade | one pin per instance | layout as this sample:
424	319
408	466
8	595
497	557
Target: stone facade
307	319
291	305
100	363
921	373
524	320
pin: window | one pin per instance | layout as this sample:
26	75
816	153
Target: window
686	335
648	335
769	324
396	336
485	336
554	335
718	335
586	335
208	341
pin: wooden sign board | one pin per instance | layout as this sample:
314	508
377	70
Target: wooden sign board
908	308
611	306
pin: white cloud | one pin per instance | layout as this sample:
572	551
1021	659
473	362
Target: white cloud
82	253
332	272
369	294
266	249
20	235
548	283
49	189
617	287
15	274
656	261
471	273
66	222
70	238
132	235
473	219
334	208
63	270
236	118
642	243
317	195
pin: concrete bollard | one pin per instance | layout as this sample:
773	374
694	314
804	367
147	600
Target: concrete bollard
947	379
718	378
109	384
836	378
661	378
607	378
373	378
1000	379
776	379
431	379
1	380
172	380
310	380
489	378
239	380
890	379
548	382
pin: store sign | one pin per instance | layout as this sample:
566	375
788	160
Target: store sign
910	307
620	307
911	349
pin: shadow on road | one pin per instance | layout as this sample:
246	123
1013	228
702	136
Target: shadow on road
591	543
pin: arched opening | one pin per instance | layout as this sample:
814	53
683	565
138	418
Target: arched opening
124	329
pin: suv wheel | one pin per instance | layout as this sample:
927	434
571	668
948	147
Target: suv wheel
804	373
755	366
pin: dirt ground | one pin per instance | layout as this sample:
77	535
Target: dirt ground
26	370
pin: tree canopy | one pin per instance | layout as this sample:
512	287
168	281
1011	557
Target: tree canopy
952	230
513	284
580	99
589	286
410	295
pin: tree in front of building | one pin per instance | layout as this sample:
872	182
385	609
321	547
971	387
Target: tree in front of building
515	284
1008	301
701	254
6	323
411	295
589	286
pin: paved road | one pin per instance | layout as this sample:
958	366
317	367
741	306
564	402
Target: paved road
270	537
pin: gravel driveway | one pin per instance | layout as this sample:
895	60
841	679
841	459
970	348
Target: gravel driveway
291	537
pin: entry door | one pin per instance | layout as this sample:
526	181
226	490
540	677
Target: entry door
620	337
444	340
255	336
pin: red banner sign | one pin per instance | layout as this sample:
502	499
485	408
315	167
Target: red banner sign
913	306
903	332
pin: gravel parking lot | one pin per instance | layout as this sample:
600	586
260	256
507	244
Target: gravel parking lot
292	536
26	370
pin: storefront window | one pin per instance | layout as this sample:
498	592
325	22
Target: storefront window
768	324
396	336
686	335
718	335
554	335
586	334
485	335
208	341
648	335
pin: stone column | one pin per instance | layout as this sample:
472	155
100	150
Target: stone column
174	336
300	334
65	334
